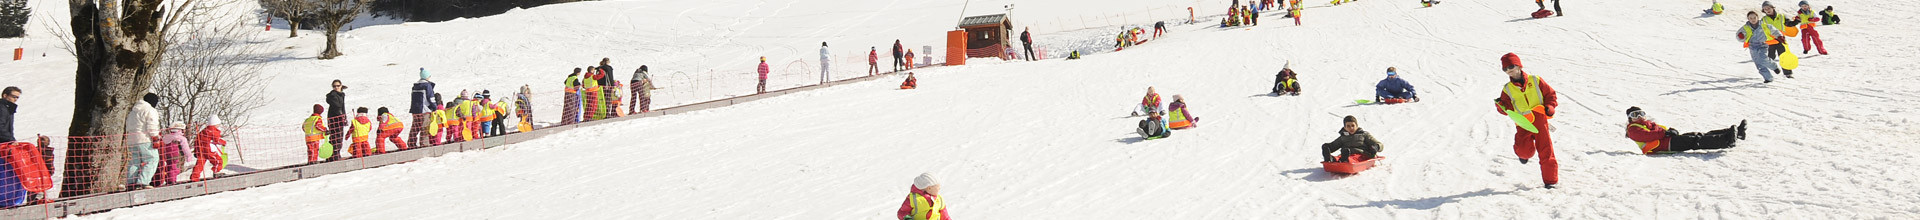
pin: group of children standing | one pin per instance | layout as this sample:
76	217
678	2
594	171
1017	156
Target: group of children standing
1766	31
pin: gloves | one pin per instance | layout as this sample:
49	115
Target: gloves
1673	132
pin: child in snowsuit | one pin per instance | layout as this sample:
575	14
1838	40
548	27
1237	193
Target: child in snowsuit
362	131
1286	83
762	87
1530	95
570	113
910	83
390	128
173	142
1352	141
209	149
1393	89
316	130
1154	127
1758	38
1828	18
1776	21
1809	38
1151	103
924	201
642	92
1179	117
1656	139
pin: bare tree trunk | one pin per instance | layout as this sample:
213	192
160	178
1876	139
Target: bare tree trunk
333	42
293	28
115	58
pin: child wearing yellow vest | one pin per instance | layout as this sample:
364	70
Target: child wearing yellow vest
924	201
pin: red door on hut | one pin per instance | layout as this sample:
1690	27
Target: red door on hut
986	36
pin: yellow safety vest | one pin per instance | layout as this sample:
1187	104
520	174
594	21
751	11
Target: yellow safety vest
924	211
313	133
434	120
1525	99
361	129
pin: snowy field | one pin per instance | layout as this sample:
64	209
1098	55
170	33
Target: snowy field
1052	140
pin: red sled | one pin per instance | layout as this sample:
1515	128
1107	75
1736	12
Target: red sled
1350	167
1542	13
1395	101
28	166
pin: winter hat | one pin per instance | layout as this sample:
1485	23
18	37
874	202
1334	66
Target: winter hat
317	109
1635	111
423	73
213	120
1509	61
1803	3
925	180
178	125
1766	4
383	110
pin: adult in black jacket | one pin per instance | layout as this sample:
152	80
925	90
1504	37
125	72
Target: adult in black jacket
336	115
896	55
1026	39
422	104
9	99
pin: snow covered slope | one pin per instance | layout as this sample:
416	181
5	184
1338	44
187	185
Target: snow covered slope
1051	140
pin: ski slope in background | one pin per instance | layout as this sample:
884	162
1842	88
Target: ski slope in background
1051	139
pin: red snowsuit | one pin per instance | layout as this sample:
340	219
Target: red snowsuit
1652	135
1526	144
204	154
390	128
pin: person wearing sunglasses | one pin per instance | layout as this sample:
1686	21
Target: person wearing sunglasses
1654	138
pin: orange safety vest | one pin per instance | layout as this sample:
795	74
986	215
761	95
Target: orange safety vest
393	123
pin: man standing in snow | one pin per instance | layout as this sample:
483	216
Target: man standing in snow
421	104
823	63
1531	96
9	99
337	115
1026	39
897	51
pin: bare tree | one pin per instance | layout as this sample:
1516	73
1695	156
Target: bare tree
117	46
293	11
212	68
333	15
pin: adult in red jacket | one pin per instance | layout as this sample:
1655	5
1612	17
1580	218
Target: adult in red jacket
1527	93
1654	138
206	150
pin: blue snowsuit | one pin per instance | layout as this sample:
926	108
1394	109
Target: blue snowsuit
1393	88
1756	36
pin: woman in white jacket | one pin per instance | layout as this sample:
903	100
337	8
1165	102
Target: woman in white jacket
143	127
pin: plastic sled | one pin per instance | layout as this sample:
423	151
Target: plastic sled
1521	121
1353	166
1789	61
1542	13
1395	101
28	166
1790	31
